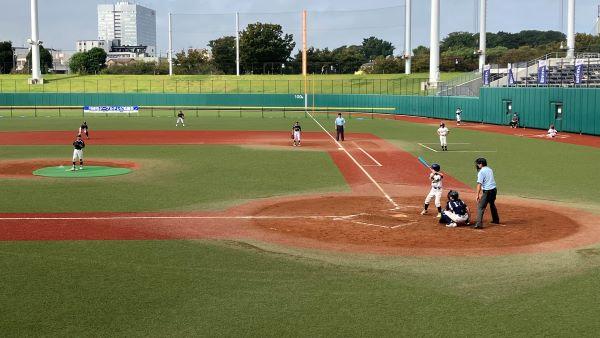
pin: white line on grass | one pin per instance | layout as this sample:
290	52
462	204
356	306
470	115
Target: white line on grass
426	147
448	143
113	218
385	194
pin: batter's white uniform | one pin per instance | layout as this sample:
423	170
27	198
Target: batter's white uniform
443	132
77	155
436	189
552	132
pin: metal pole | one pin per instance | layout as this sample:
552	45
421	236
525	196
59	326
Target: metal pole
304	61
482	33
434	44
170	51
237	43
407	37
571	29
36	74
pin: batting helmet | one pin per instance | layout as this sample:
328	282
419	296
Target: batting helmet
436	167
453	195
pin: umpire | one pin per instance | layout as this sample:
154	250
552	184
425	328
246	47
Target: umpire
486	192
339	127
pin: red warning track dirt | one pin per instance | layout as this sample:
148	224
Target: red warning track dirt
357	222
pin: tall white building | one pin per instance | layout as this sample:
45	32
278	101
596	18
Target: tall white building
127	24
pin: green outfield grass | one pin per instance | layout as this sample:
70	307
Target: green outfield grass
175	288
326	84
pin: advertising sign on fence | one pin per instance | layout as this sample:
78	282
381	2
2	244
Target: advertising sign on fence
111	109
542	72
578	71
486	75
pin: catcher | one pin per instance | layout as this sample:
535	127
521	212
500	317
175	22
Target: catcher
296	133
456	213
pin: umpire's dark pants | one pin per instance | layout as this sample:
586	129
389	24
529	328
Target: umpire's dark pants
488	197
340	132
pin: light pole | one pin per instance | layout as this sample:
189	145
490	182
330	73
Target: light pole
36	74
434	45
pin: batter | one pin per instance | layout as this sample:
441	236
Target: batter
436	190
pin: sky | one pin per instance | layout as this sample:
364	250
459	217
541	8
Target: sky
331	23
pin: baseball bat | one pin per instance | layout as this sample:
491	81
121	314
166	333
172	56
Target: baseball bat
423	162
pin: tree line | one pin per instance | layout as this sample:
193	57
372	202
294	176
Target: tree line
266	48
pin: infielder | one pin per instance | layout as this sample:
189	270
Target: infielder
78	146
456	213
180	118
443	133
84	129
436	190
552	131
458	113
296	133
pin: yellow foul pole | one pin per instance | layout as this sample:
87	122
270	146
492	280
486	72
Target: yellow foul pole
304	61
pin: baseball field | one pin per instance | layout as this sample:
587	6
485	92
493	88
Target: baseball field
223	228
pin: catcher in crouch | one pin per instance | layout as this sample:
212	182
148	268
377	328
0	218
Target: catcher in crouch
456	212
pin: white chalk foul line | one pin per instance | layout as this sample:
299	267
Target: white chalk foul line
385	194
371	157
115	218
426	147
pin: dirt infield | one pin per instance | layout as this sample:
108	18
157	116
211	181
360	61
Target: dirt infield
25	168
358	222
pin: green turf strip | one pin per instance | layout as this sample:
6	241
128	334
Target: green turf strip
87	171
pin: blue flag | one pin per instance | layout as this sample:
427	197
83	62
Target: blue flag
486	75
542	72
578	71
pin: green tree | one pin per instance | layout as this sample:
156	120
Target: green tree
45	60
223	54
386	65
459	40
195	61
78	63
349	58
6	57
96	60
262	43
373	47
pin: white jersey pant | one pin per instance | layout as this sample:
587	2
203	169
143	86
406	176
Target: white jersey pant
458	219
457	118
180	120
443	141
437	193
77	154
297	136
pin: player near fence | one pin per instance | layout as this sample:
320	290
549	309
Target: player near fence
458	115
78	146
436	189
443	132
456	212
296	134
552	132
180	118
84	129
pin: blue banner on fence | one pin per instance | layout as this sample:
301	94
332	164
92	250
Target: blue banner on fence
511	77
111	109
578	71
486	75
542	72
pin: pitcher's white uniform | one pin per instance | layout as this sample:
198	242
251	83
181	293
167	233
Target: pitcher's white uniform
443	133
78	150
436	189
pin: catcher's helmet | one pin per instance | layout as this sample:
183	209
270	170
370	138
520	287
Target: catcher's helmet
436	167
453	195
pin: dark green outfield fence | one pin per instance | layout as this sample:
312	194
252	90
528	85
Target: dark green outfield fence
536	106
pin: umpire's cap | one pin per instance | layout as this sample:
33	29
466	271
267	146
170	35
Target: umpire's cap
481	161
436	167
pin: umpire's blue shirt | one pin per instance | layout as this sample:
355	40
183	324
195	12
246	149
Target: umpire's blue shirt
485	177
340	121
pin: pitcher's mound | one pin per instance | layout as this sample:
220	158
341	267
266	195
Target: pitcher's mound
87	171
